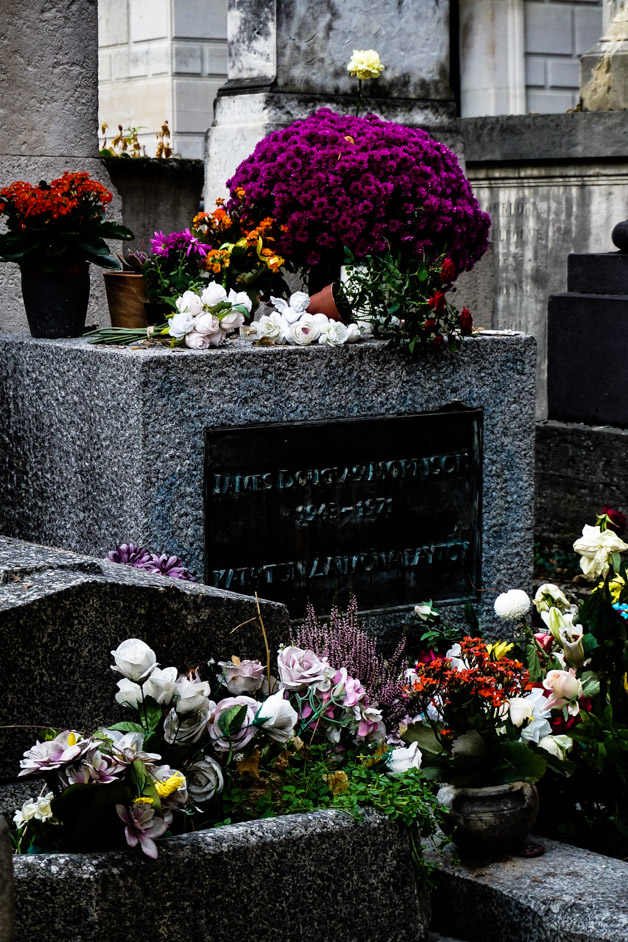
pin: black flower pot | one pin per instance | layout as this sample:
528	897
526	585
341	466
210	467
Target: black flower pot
56	301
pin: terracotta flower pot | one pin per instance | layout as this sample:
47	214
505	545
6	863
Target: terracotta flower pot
56	301
323	302
489	820
125	298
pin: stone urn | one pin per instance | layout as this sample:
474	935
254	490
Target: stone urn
492	819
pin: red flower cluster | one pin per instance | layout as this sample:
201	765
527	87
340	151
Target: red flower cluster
479	689
437	302
616	520
25	204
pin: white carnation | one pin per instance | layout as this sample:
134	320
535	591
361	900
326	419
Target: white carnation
512	605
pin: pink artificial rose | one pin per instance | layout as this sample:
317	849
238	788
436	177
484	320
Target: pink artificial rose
243	678
240	737
565	689
300	669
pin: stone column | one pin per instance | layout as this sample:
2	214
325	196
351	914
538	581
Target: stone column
604	69
48	111
492	57
289	57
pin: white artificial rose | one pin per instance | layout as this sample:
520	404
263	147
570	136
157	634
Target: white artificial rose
557	746
240	297
512	605
191	696
271	326
189	302
300	668
322	320
189	727
304	331
231	320
205	779
161	684
134	659
213	294
206	323
196	341
402	759
353	334
242	677
215	340
129	694
277	717
594	547
180	324
25	814
334	334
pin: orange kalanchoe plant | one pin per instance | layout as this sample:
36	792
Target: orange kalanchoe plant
469	714
242	253
53	224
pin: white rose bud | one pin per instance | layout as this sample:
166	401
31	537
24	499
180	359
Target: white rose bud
240	297
190	303
206	324
180	324
191	697
161	684
196	341
213	294
129	694
134	659
231	320
277	717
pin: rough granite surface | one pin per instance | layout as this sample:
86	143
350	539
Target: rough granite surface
300	878
7	913
59	624
105	445
566	895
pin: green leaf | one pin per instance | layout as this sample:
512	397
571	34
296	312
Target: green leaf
518	761
590	684
151	711
616	562
230	721
425	736
127	727
138	775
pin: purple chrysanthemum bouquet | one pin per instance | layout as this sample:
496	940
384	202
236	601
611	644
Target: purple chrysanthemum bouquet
336	182
175	266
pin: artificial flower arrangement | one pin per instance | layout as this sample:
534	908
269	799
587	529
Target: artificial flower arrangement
199	320
242	252
243	743
162	564
485	718
54	224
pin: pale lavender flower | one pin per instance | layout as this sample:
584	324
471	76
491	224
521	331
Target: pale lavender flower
243	677
166	565
141	826
63	749
95	766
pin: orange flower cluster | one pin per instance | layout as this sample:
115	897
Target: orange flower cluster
234	236
481	685
45	203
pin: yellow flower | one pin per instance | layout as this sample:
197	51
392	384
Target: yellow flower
626	682
365	64
499	650
170	785
142	801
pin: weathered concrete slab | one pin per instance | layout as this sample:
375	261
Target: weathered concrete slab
59	624
568	894
308	877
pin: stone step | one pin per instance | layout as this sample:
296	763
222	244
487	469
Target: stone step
568	894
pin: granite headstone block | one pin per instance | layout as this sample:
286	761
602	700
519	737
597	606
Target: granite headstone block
299	878
568	894
598	273
118	452
587	336
58	626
